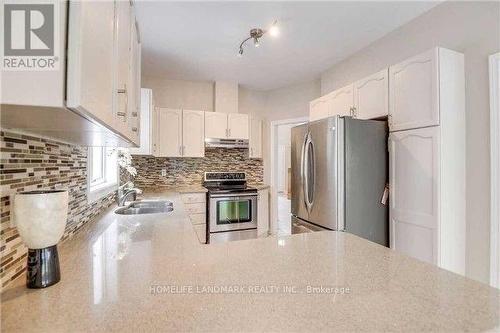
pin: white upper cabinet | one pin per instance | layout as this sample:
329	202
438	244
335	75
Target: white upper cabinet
146	124
341	101
319	108
193	133
255	141
414	204
90	82
216	125
169	132
219	125
237	126
98	79
414	92
371	96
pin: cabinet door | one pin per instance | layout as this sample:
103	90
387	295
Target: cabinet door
414	200
146	115
155	119
413	91
193	133
263	212
124	93
91	60
169	132
319	109
237	126
255	143
216	125
341	101
371	96
133	103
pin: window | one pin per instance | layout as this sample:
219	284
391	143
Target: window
102	170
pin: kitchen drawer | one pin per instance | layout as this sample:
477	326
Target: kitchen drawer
195	208
189	198
198	218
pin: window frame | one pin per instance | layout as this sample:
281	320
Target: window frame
108	182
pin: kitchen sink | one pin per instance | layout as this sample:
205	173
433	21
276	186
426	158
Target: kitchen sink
146	207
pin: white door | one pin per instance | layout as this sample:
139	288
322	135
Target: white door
216	125
91	59
193	133
255	142
263	212
341	101
170	132
413	91
371	96
237	124
414	199
319	109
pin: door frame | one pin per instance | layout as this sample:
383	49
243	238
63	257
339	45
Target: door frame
494	78
274	167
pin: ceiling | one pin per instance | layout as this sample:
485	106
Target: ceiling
200	40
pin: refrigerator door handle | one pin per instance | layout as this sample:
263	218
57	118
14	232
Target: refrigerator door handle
308	163
303	174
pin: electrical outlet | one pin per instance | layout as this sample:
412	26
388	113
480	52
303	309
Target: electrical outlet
163	172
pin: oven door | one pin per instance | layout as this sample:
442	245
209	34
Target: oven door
233	212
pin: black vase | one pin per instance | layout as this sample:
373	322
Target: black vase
43	267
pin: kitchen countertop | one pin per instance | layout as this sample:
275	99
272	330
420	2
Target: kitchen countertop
178	189
259	186
149	272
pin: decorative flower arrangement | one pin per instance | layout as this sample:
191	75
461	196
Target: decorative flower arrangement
125	160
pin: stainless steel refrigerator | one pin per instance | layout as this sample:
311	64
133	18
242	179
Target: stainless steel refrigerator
339	177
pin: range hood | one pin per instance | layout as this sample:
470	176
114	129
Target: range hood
226	143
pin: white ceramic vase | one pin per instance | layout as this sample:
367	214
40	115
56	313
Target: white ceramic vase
40	218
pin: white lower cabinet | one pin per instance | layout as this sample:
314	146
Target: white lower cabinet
195	207
181	133
263	212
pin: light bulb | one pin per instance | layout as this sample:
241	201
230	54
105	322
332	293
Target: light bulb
274	30
256	42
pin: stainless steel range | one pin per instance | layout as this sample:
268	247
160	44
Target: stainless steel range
232	205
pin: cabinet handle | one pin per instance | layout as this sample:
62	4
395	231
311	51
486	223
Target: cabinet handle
354	115
229	132
389	120
121	114
122	91
134	129
134	114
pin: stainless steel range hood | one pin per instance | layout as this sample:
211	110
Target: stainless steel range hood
226	143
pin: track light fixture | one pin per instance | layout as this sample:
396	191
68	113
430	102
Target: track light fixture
256	34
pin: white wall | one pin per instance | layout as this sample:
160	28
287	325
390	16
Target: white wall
176	94
292	101
472	28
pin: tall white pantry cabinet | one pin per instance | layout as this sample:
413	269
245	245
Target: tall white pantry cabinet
427	158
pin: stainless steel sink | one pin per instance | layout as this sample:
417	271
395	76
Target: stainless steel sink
146	207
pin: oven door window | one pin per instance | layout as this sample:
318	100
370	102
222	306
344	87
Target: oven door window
234	211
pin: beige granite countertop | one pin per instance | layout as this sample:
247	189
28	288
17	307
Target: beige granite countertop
178	189
259	186
124	273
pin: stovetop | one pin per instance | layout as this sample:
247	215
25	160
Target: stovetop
227	182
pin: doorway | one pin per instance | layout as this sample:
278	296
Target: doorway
281	174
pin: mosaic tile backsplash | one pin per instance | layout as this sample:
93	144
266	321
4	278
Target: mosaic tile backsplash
31	163
190	171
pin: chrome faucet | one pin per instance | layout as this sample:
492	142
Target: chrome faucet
123	193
